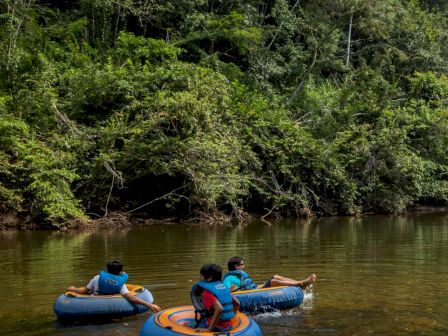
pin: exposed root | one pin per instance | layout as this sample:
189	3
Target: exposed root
213	217
209	217
305	212
149	221
113	220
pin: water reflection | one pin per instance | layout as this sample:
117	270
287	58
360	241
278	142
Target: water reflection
377	275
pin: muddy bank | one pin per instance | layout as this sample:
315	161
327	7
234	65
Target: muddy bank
13	220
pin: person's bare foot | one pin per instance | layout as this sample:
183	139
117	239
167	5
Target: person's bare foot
309	281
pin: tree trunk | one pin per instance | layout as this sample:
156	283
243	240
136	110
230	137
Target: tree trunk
117	22
349	41
302	81
14	30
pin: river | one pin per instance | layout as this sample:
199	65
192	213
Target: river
377	275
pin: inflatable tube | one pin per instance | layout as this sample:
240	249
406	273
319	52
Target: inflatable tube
72	306
269	299
177	321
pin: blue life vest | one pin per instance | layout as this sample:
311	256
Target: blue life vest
246	281
219	291
111	283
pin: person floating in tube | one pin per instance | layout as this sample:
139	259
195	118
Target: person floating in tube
112	282
237	279
214	304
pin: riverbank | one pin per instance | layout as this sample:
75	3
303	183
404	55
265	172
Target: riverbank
13	221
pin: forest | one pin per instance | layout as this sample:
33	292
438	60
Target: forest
219	110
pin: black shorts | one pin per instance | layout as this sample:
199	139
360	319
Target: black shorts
268	283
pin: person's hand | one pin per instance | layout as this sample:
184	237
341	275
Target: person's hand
154	308
71	289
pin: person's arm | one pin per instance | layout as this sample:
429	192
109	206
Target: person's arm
87	289
135	299
78	290
217	310
232	282
236	304
233	288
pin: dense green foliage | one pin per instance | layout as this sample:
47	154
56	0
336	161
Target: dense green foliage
183	108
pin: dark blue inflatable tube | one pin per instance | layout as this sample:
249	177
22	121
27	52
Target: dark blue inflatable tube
179	321
269	299
75	307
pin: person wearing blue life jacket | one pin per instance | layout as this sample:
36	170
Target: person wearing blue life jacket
214	304
237	279
112	282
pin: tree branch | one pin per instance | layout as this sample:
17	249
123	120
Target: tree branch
159	198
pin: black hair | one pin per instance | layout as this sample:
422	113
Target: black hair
211	270
234	261
114	267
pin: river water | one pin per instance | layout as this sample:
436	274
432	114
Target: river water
377	275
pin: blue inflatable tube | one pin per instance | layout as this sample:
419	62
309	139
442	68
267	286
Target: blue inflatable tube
78	307
178	321
269	299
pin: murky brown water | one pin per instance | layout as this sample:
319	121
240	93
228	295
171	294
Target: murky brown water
377	275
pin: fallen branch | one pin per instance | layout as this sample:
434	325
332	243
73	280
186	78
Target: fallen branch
159	198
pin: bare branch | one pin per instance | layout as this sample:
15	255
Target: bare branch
115	175
173	192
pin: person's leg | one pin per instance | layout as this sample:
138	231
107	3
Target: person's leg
278	280
267	284
282	278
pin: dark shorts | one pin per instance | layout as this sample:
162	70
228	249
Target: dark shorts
268	283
